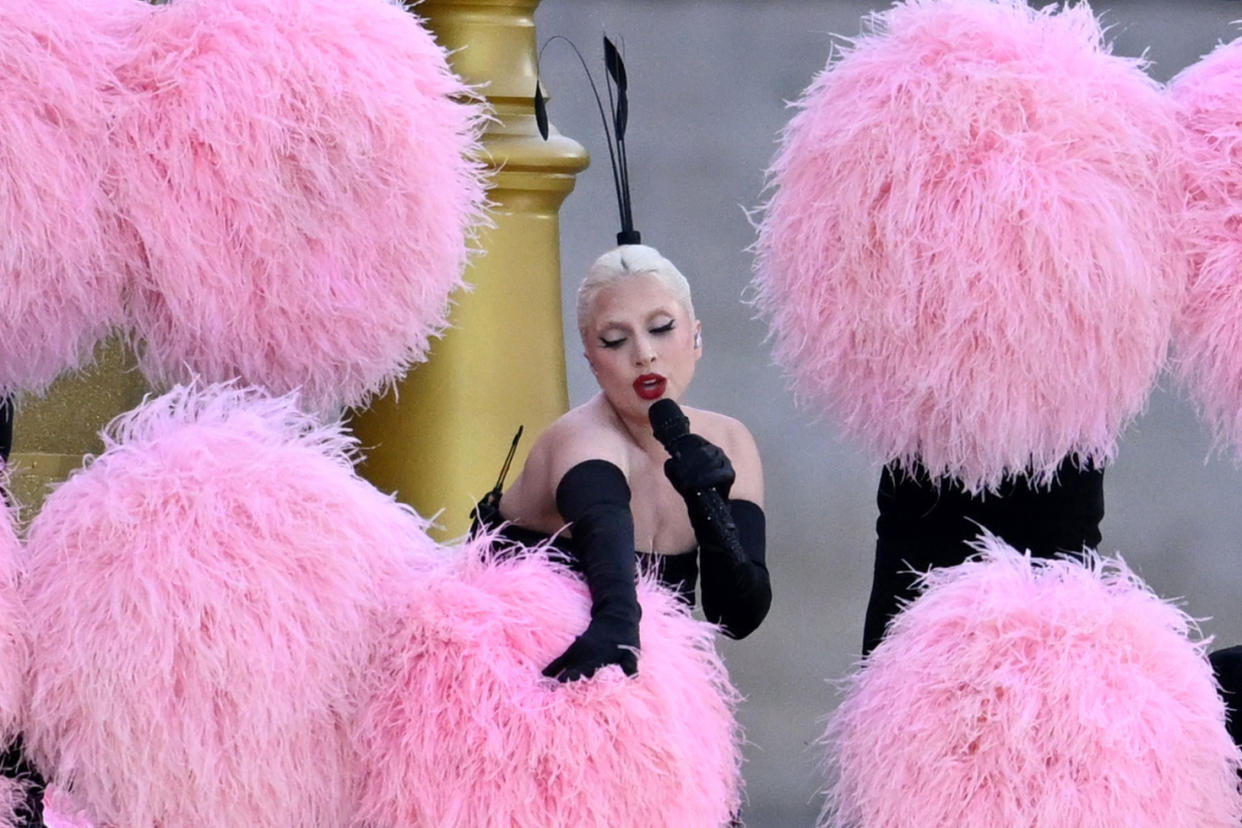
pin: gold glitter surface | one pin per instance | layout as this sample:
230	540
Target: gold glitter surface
52	433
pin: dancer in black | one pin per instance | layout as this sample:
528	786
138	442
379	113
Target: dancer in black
928	522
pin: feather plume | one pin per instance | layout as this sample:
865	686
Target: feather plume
14	659
1208	343
614	127
969	256
1041	693
302	184
469	733
63	263
205	595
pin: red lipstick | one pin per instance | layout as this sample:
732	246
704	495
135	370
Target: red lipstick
650	386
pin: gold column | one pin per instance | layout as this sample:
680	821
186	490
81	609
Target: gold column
439	442
52	433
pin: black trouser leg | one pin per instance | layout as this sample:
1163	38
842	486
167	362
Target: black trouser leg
926	523
15	765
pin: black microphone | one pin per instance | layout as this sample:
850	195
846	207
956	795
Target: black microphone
668	423
670	427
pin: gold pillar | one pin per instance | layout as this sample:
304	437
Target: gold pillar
440	440
53	432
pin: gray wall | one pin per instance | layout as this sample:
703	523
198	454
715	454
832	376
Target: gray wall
709	82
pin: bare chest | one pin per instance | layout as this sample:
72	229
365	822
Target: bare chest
661	524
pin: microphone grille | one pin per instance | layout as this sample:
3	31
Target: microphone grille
667	421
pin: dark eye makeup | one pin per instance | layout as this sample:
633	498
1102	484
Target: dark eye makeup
659	330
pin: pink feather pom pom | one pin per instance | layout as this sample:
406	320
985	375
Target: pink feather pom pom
1208	339
205	595
1038	693
61	272
14	658
303	186
468	732
12	799
969	257
61	811
14	642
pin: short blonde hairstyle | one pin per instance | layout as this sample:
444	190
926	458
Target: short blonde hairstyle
622	263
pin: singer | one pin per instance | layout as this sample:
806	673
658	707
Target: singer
692	511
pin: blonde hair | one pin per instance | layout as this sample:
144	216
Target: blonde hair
624	262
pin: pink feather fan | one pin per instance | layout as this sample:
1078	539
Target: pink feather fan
469	732
1040	693
969	255
60	811
302	185
1208	343
205	594
14	657
61	266
14	650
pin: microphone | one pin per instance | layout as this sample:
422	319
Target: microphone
671	427
668	423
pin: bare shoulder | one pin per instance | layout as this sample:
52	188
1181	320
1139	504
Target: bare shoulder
739	444
588	432
729	433
583	433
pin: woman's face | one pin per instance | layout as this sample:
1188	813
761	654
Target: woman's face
641	344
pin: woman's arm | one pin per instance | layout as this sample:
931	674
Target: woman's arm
736	589
584	464
595	498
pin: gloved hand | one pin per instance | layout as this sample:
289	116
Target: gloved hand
737	592
696	465
602	644
595	498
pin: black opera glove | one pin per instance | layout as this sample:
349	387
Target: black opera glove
698	466
736	589
737	592
595	498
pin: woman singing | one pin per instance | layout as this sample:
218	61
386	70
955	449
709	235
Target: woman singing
600	474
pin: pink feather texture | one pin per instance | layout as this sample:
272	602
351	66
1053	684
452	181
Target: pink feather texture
60	811
302	183
1208	341
14	657
1039	693
62	269
468	732
12	797
969	254
205	595
14	641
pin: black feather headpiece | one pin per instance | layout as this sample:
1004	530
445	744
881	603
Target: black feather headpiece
617	85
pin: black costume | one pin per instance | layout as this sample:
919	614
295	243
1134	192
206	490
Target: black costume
926	522
1227	667
679	573
6	428
594	498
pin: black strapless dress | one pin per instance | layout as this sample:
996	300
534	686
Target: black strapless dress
679	572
